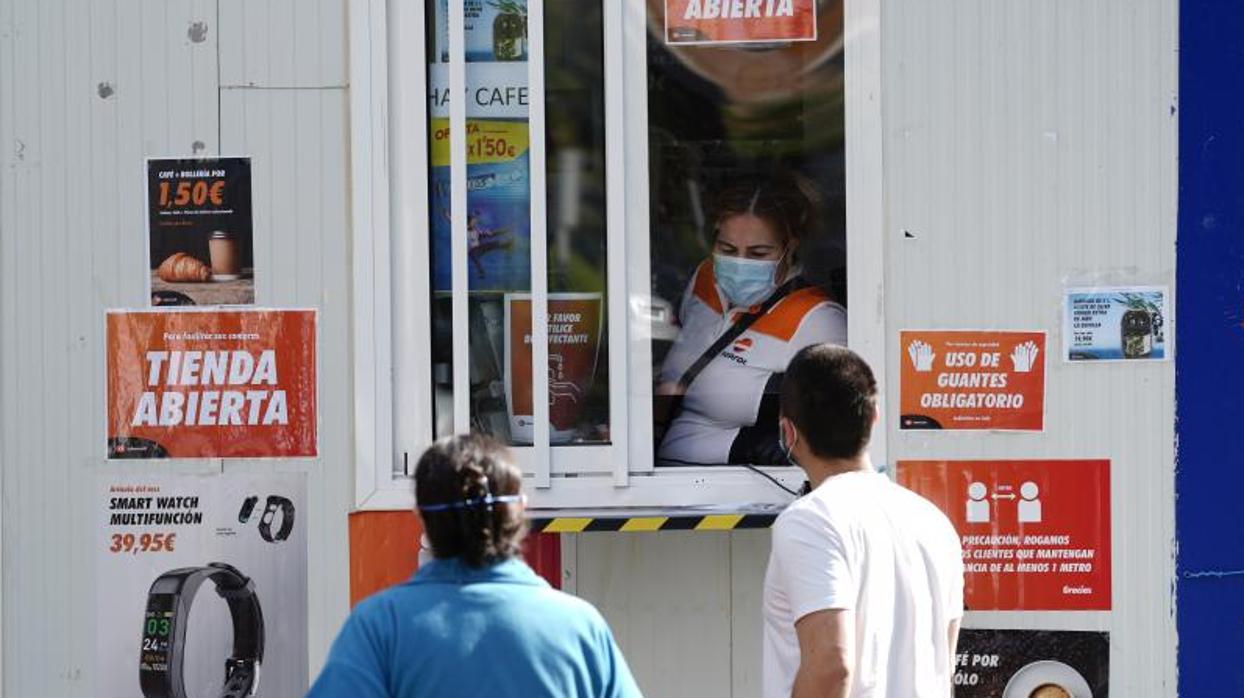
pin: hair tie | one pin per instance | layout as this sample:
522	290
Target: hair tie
487	493
487	500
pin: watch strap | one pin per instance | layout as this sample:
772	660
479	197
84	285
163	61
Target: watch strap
238	591
241	678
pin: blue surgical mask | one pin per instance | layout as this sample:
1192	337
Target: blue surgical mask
745	282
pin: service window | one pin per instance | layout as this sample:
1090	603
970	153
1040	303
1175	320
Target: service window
657	189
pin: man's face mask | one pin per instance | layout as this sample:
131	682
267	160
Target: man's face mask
745	282
786	447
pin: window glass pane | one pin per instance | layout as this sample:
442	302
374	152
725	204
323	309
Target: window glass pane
498	220
747	191
575	141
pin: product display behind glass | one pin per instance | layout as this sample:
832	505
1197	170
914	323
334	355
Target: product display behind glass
498	220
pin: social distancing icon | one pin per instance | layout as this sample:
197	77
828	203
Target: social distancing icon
979	508
1029	504
978	505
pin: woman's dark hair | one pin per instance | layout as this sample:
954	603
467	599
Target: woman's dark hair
456	470
781	200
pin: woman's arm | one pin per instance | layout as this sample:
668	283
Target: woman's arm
826	322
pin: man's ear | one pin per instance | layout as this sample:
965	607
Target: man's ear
789	434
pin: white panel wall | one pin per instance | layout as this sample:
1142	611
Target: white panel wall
1026	143
1030	144
684	605
300	168
87	90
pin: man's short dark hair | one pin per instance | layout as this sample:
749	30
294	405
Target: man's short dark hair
830	395
457	470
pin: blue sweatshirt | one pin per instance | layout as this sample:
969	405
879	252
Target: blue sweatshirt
454	630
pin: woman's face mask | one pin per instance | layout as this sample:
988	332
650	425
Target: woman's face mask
745	282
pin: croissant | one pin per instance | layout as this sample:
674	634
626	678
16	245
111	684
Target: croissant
182	267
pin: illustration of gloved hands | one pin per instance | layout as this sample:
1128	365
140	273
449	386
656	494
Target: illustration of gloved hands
921	355
1024	357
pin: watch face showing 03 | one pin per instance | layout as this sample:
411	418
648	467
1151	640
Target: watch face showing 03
158	627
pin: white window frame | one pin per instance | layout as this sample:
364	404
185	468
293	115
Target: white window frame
392	307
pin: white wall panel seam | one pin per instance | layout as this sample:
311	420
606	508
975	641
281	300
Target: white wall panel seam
7	306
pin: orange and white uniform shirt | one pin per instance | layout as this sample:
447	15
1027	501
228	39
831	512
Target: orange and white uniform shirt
730	411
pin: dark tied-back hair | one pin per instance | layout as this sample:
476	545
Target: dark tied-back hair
781	199
456	481
830	395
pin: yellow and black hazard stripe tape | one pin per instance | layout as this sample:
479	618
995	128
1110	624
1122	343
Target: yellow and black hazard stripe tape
711	522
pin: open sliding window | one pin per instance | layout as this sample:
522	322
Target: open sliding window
608	228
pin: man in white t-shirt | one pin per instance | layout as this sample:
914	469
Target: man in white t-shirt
864	589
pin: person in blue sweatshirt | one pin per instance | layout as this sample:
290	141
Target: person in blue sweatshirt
476	620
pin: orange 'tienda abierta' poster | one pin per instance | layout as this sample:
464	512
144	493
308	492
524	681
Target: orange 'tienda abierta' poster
211	384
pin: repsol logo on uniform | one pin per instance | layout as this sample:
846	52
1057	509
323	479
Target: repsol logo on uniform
734	357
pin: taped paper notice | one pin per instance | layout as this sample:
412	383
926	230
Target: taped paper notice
1032	664
200	231
169	549
1035	534
574	343
1116	324
959	380
218	384
690	22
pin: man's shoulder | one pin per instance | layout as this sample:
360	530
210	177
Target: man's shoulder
805	509
823	511
930	521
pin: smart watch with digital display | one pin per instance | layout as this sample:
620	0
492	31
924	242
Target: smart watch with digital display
287	518
162	657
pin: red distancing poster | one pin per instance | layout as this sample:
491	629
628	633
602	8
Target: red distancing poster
739	21
1035	533
211	384
972	380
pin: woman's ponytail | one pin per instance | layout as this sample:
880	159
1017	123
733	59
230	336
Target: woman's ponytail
457	482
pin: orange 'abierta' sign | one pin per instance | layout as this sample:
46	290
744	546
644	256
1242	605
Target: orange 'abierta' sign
972	380
211	384
739	21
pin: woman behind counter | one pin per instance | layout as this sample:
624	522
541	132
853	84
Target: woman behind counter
728	379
